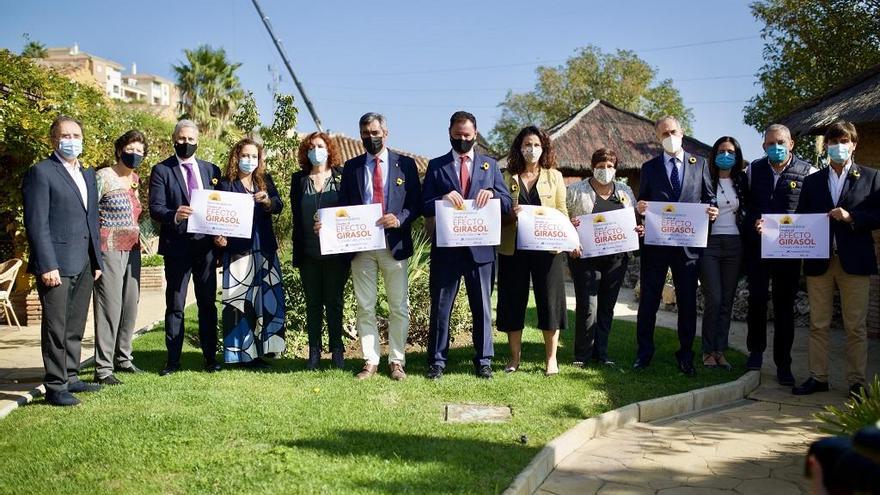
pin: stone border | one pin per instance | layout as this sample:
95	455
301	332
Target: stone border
530	479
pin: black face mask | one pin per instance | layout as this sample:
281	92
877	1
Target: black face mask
185	150
373	144
462	146
132	160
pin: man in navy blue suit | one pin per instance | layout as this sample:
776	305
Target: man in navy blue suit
186	255
458	175
61	220
674	176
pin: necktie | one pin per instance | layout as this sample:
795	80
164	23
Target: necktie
191	183
464	176
674	180
378	187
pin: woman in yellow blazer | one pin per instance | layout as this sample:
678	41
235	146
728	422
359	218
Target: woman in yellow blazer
532	179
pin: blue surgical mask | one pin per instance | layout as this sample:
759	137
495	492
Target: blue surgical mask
725	160
70	148
839	153
318	156
777	153
248	165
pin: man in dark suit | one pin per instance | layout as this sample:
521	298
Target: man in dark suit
674	176
454	177
382	176
186	255
850	195
61	219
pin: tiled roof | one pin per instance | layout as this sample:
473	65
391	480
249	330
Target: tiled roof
351	147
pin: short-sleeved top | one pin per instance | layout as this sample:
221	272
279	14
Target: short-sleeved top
119	209
312	201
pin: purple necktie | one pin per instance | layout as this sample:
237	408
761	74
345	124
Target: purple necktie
191	184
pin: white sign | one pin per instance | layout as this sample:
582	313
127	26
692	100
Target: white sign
795	236
610	232
468	225
541	228
676	224
351	229
221	213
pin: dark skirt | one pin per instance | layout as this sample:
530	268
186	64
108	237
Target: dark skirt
547	273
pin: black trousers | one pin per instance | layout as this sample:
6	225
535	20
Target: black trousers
597	283
785	276
200	265
65	308
323	281
546	270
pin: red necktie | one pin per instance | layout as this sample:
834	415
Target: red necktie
464	176
378	191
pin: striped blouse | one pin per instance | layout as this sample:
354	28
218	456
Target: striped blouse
118	211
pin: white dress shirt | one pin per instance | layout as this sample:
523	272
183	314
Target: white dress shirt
368	174
470	164
196	171
75	172
835	182
679	161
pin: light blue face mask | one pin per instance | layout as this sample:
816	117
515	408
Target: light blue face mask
247	165
839	153
777	153
725	160
318	156
70	148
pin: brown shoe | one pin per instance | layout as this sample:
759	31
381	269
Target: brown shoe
397	372
368	371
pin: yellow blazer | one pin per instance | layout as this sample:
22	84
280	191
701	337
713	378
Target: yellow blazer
551	190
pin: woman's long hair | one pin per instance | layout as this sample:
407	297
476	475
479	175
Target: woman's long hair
738	160
516	162
258	175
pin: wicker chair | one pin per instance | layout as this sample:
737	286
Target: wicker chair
8	272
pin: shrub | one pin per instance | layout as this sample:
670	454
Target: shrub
152	260
855	415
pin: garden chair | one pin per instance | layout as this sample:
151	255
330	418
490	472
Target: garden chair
8	272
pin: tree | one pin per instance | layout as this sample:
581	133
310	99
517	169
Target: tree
209	89
34	49
621	78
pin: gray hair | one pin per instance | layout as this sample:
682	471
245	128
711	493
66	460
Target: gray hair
664	119
369	117
56	124
778	128
183	124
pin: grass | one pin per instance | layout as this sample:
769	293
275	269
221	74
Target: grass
286	430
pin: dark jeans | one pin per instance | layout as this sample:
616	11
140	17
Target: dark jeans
785	275
323	282
597	283
200	265
719	274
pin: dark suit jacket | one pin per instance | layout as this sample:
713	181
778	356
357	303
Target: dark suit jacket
167	192
861	198
402	190
442	178
262	218
696	186
62	233
298	187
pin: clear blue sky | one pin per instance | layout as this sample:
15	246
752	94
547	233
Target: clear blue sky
394	56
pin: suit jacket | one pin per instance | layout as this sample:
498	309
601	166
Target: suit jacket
861	198
441	178
63	234
403	192
298	187
551	191
262	219
696	186
167	192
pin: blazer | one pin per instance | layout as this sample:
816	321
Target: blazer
298	185
167	192
63	234
551	191
262	218
861	198
441	178
402	190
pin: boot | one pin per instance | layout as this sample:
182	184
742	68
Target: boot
314	361
339	358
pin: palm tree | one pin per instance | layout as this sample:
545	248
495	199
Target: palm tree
209	88
34	49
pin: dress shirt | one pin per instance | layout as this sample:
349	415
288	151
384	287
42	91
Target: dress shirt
470	164
679	161
368	174
196	171
835	182
75	172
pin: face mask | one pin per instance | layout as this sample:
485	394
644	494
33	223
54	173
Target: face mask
185	150
725	160
248	165
131	160
839	153
777	153
604	175
70	148
532	155
318	156
373	144
672	144
462	146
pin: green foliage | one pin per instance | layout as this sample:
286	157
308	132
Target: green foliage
621	78
152	260
209	89
34	49
855	415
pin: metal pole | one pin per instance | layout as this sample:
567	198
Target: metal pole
299	86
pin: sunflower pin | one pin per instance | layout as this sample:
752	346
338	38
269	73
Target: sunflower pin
134	185
399	181
692	160
485	166
793	185
214	181
855	174
514	187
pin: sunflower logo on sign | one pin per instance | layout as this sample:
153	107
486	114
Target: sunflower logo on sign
669	209
341	213
214	196
539	212
598	219
786	220
460	207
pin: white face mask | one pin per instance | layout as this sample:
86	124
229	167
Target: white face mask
533	154
672	144
604	175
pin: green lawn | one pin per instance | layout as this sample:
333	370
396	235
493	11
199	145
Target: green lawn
286	430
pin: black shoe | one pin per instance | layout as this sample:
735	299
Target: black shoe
212	367
641	365
63	398
131	368
108	380
169	369
81	386
755	361
784	377
339	359
810	386
434	372
687	367
314	361
484	371
856	390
